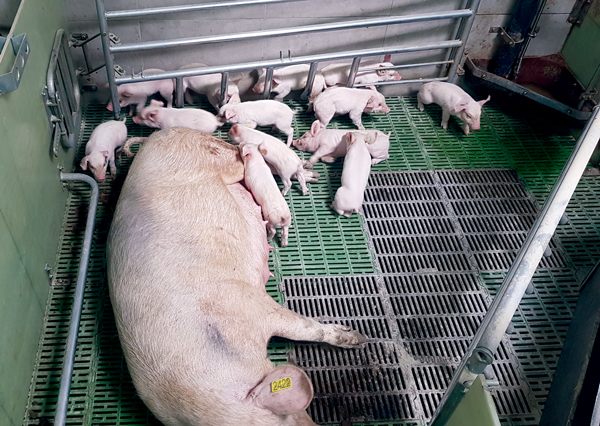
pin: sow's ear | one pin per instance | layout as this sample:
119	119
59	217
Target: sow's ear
286	390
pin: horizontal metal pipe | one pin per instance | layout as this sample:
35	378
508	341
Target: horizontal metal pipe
506	301
397	67
371	22
393	83
134	13
278	63
67	371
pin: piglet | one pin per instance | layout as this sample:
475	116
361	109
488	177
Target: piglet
343	100
290	78
326	145
137	93
355	173
285	161
335	74
259	113
100	149
454	101
260	181
208	85
158	117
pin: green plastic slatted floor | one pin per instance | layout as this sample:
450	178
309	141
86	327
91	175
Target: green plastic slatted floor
324	244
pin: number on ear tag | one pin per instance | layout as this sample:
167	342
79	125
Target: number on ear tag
281	384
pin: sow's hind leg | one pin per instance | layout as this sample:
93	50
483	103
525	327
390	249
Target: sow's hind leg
290	325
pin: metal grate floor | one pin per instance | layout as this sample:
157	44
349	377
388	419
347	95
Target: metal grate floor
415	274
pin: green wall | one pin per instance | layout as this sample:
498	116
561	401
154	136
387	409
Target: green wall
32	203
581	51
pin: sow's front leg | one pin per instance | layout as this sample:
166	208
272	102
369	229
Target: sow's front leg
293	326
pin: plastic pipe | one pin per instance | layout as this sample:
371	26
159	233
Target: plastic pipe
60	415
493	327
372	22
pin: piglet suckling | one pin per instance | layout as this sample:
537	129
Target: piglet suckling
355	173
138	93
326	144
454	101
100	149
285	161
158	117
259	113
343	100
261	183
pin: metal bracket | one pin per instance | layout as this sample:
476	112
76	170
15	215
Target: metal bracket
114	39
119	70
580	9
9	82
505	37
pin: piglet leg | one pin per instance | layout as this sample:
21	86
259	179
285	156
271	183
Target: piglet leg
445	118
355	116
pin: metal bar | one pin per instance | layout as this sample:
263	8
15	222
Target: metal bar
278	63
312	71
353	71
492	329
134	13
455	36
397	67
507	84
224	88
67	371
268	83
463	37
179	92
50	74
371	22
108	58
72	72
392	83
65	75
529	35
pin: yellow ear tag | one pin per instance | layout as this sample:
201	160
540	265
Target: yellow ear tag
249	124
281	384
367	139
370	101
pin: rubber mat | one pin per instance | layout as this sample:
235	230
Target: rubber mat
390	257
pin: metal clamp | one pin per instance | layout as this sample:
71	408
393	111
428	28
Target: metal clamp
9	82
505	37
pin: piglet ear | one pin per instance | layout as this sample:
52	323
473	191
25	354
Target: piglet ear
152	115
235	99
106	86
154	102
105	153
460	107
387	58
263	149
286	390
372	87
315	128
126	94
84	163
229	114
371	137
481	103
371	100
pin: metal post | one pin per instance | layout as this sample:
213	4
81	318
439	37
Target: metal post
268	81
464	36
179	92
353	71
67	371
224	87
108	58
485	343
309	81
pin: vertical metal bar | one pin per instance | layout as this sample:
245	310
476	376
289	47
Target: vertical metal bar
63	70
310	81
179	92
487	339
224	87
464	36
268	83
67	371
108	58
353	71
72	73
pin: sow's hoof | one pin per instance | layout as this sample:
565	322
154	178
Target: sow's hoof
345	337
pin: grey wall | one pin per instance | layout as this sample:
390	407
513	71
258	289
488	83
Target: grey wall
481	43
